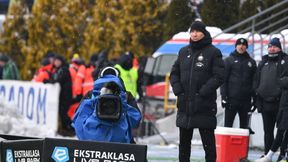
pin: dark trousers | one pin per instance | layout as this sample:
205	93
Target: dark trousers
208	141
269	121
278	140
230	114
284	144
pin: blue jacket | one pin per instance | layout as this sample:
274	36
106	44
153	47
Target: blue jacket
89	127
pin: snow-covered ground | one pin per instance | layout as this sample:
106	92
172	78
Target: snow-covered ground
13	123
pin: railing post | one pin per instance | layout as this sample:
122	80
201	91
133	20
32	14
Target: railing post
253	40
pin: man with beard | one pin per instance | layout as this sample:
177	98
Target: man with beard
237	91
195	76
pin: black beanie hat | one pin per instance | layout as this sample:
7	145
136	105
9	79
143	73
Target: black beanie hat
241	41
199	26
275	42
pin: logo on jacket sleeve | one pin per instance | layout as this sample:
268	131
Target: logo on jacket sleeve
9	155
60	154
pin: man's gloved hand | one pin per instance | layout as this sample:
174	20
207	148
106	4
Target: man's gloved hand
224	103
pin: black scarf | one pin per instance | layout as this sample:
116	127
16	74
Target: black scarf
206	40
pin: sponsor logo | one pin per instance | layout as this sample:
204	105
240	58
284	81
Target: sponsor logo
60	154
9	155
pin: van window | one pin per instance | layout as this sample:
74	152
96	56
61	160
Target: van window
164	64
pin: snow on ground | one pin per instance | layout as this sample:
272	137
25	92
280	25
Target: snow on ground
13	123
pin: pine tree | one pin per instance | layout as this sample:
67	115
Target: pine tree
220	13
179	18
85	27
125	25
15	34
57	26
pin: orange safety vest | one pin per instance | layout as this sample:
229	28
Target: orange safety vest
80	79
73	69
88	80
43	73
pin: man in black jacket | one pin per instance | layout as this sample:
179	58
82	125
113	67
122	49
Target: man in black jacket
237	90
268	88
195	76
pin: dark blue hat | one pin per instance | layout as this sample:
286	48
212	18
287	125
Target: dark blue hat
275	42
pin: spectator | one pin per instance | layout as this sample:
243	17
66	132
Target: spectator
128	74
44	73
101	63
9	69
195	76
237	90
62	76
77	70
268	89
88	79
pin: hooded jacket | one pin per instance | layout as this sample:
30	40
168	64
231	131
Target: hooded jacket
195	76
89	127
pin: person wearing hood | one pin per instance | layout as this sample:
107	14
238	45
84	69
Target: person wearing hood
88	122
62	76
237	90
269	91
128	73
195	77
8	68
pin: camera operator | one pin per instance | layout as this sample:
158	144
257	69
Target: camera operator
107	115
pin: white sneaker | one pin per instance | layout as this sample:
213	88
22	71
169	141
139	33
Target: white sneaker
263	159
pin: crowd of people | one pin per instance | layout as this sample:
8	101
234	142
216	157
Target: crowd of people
76	79
195	76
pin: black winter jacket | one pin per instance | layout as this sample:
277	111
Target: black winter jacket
281	62
195	76
239	74
282	119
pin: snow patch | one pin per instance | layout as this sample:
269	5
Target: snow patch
13	123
